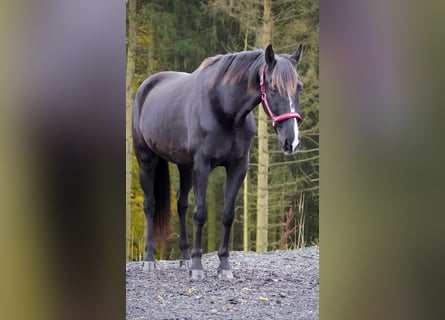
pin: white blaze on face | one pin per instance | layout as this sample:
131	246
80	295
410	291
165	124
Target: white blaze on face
296	141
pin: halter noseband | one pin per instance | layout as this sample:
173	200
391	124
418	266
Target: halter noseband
281	117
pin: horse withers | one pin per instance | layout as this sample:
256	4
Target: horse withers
203	120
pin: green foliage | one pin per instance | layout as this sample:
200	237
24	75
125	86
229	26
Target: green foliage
178	35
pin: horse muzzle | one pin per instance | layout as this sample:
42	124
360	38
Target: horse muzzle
290	147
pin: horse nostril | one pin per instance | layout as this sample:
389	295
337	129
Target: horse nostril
287	145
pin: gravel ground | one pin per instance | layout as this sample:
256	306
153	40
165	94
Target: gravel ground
271	285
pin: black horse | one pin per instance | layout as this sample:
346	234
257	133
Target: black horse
203	120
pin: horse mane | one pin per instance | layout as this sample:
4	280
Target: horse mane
209	61
232	67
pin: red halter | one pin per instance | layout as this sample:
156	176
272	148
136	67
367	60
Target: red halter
281	117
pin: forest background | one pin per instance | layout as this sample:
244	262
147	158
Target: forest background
278	206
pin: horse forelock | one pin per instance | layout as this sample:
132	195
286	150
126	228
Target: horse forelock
284	77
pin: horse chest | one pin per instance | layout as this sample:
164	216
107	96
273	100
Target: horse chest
222	148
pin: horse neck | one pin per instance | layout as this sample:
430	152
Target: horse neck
239	101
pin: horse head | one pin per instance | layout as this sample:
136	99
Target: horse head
280	92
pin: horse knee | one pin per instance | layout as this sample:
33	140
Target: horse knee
227	218
227	221
200	215
182	206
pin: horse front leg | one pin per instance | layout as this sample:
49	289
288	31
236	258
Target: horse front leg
236	172
185	184
201	173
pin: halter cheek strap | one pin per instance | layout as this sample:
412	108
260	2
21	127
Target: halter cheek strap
281	117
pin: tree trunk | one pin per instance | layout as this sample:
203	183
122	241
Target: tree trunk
246	214
131	50
262	192
263	152
246	182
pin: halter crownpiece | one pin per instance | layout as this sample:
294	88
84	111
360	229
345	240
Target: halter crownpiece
281	117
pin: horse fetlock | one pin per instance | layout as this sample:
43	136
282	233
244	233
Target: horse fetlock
224	263
149	266
223	253
196	263
185	255
185	264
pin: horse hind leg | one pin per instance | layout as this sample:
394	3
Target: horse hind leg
185	184
147	164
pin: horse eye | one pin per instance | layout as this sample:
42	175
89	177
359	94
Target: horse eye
273	90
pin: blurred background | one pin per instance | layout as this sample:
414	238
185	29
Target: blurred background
381	151
62	140
62	227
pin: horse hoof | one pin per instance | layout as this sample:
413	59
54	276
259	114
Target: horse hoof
225	274
148	266
197	274
185	264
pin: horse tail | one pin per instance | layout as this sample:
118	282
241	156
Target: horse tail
161	181
161	220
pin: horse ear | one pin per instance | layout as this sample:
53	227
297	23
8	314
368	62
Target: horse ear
269	55
296	56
